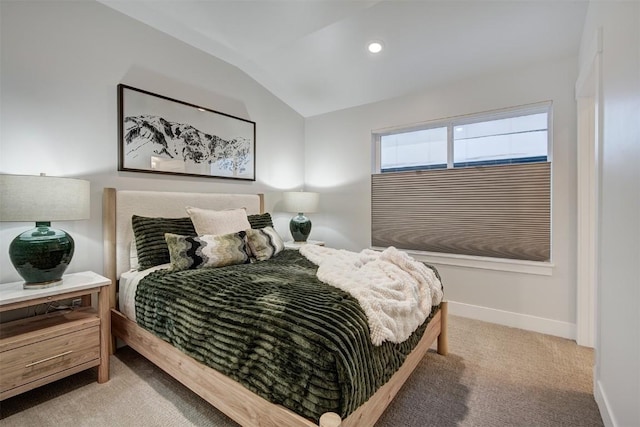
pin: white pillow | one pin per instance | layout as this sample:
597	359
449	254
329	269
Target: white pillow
218	222
133	256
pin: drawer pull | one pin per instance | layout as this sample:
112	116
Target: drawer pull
48	358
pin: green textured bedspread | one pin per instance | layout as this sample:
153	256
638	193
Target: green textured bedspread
275	328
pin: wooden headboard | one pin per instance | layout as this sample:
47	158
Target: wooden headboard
119	206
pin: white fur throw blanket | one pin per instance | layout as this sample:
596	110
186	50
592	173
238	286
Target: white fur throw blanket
395	291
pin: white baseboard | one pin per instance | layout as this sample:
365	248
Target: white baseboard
603	405
514	320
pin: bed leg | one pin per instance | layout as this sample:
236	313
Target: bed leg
109	250
330	419
443	342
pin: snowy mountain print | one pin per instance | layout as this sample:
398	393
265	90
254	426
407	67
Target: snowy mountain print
148	136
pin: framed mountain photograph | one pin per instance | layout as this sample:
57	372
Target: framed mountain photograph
158	134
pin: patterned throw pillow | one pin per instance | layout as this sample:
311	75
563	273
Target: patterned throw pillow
260	220
218	222
264	243
207	251
149	234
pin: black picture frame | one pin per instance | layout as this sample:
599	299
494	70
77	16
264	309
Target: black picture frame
162	135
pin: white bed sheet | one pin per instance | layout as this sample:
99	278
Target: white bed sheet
128	286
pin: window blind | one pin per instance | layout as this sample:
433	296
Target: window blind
493	211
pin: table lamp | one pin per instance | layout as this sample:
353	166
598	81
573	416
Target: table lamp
300	202
42	254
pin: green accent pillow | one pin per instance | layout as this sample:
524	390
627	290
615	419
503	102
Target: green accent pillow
260	220
264	243
149	234
207	251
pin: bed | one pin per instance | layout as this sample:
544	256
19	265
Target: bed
243	403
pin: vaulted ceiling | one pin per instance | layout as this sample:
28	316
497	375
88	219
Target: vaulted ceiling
312	53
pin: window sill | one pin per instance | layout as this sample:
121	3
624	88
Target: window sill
485	263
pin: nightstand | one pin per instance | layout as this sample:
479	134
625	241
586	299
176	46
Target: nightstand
290	244
43	348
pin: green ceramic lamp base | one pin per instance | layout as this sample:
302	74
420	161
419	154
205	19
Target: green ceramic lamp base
300	227
41	255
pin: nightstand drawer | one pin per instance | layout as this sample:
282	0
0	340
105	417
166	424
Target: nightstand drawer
28	363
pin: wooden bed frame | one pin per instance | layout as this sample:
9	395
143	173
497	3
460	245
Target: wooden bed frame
227	395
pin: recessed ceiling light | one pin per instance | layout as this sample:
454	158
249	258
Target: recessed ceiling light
375	47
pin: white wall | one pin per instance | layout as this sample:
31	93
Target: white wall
338	148
617	371
61	63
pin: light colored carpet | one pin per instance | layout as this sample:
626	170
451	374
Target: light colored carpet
493	376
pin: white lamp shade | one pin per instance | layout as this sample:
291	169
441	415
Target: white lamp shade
301	201
43	198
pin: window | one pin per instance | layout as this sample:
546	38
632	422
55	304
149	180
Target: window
520	139
474	185
422	149
514	136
